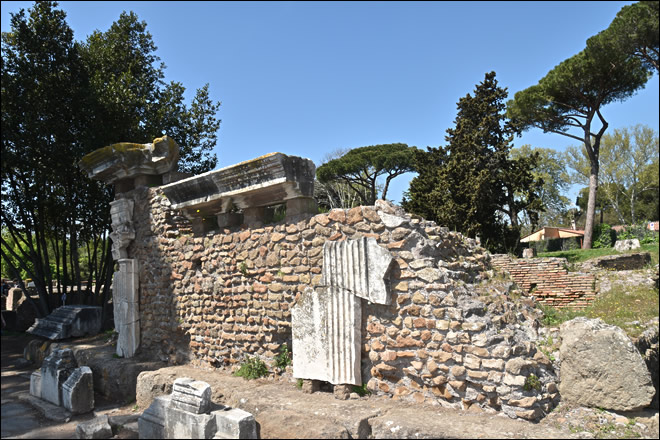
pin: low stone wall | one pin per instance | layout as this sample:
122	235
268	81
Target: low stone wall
548	281
228	294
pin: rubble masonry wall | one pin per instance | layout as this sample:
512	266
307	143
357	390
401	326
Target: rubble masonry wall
229	293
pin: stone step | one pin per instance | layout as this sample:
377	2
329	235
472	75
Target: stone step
67	321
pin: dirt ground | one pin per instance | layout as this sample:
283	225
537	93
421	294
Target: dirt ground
283	411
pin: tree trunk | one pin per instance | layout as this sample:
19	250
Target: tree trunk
591	207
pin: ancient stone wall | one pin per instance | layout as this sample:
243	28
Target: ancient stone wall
548	281
228	293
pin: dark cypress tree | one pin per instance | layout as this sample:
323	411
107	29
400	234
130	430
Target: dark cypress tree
471	185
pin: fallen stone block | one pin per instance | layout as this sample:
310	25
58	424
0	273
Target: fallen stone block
166	419
35	384
55	370
235	423
78	391
626	245
95	428
182	424
601	368
151	423
191	395
69	321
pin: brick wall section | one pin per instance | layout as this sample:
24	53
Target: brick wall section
548	281
229	294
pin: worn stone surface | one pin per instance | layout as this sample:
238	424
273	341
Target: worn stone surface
55	370
326	336
627	245
167	418
191	395
235	423
637	260
127	160
68	322
126	307
151	424
647	344
35	384
360	266
600	367
123	232
94	429
78	391
267	180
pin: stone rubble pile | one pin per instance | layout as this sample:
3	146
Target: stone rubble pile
62	383
189	413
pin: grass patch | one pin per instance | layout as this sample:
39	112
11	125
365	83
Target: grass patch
620	306
361	390
580	255
252	368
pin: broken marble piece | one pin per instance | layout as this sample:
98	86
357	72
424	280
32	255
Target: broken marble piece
191	395
78	391
360	266
326	336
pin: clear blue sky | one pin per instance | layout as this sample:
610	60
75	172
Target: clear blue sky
309	78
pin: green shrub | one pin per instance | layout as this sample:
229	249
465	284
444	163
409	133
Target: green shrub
252	368
532	383
640	232
283	359
603	237
361	390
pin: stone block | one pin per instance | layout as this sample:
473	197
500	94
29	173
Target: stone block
265	181
529	253
342	391
627	245
310	386
69	321
123	232
55	370
78	391
96	428
600	367
235	423
35	384
191	395
183	424
151	423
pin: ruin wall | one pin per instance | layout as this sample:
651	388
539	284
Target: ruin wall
548	281
228	293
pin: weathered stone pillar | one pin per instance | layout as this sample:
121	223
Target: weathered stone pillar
127	166
125	298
